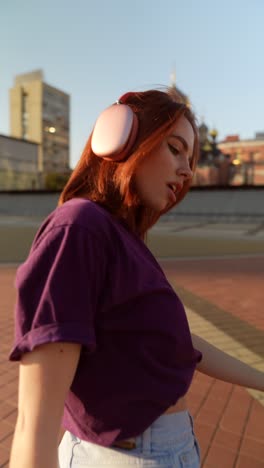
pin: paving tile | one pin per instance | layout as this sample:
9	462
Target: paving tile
8	390
220	457
205	434
11	418
245	461
209	416
235	417
236	286
201	388
5	409
5	430
4	456
227	439
221	391
7	441
253	448
194	404
255	425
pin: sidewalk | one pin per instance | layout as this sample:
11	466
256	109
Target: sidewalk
224	303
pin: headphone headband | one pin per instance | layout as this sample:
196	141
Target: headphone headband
123	98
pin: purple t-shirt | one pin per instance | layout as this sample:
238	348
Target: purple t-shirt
88	279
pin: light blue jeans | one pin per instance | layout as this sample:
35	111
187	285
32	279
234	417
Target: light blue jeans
169	442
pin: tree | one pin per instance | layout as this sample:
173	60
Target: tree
56	181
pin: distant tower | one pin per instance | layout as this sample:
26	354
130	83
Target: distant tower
173	78
173	86
203	132
40	113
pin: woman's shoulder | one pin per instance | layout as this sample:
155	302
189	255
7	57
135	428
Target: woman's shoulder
76	216
81	213
81	220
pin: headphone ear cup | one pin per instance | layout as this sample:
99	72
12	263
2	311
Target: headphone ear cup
114	132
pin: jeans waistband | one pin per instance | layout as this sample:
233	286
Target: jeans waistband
167	431
169	441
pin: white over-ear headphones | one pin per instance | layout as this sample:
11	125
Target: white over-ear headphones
115	131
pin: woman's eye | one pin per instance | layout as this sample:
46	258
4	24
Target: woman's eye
173	149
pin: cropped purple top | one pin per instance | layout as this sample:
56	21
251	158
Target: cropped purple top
88	279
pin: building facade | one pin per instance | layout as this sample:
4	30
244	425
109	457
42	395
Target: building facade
40	113
18	164
214	167
247	156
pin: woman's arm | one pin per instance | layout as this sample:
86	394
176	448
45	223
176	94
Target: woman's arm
222	366
45	376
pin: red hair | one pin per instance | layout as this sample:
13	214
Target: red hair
111	184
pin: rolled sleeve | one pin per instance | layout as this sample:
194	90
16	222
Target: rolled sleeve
59	289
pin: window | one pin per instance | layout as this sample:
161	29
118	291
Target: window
24	116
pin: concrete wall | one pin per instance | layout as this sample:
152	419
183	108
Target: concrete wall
214	204
35	204
222	204
22	213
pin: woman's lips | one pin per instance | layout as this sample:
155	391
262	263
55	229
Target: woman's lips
172	195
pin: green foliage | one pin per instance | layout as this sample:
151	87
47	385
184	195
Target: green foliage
55	181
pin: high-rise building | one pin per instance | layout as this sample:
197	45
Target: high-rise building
40	113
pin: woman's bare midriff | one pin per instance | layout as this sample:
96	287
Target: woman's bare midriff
181	405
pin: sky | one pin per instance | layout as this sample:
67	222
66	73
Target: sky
96	50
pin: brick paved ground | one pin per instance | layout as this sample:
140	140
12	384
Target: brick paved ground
225	297
8	370
235	286
229	421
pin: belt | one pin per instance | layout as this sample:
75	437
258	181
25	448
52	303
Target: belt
128	444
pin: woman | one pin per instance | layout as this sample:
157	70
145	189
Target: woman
103	339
